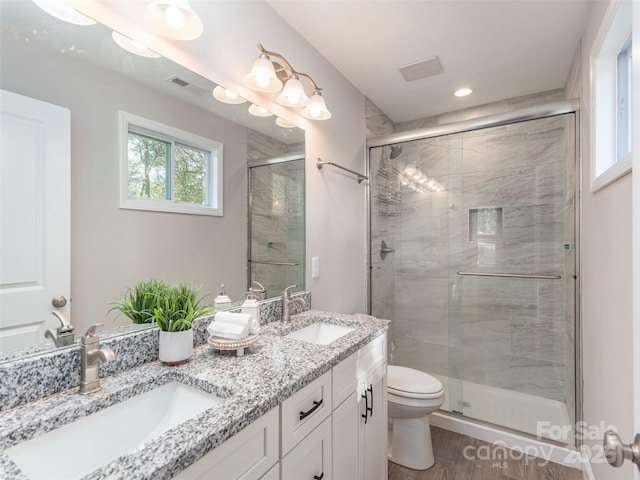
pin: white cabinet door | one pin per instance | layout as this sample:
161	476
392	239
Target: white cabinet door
345	439
35	218
373	426
311	458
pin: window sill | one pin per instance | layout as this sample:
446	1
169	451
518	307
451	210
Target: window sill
169	207
615	172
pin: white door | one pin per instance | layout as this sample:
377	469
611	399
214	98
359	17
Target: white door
35	218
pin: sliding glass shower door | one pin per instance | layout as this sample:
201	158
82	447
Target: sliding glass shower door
276	224
473	260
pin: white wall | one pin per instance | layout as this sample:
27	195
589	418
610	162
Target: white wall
336	204
606	289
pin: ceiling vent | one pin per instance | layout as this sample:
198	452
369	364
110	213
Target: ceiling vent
182	83
421	69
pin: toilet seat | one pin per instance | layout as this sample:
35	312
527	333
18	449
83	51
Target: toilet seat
410	383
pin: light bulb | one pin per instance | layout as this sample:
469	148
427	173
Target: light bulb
262	79
294	97
174	16
230	94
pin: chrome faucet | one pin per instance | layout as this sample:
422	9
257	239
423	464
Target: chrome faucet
287	302
63	335
90	357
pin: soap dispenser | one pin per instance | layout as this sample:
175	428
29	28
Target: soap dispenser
222	300
252	307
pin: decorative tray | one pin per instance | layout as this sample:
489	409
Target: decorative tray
220	343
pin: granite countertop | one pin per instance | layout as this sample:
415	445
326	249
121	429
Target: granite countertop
251	385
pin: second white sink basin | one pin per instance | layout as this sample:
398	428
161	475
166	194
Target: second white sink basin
76	449
320	333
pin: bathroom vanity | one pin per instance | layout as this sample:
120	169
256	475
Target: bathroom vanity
290	408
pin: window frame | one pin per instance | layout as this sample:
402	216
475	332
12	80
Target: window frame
144	126
611	38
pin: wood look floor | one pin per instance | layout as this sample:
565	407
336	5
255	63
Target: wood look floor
491	462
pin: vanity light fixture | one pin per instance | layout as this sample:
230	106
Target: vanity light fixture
132	46
259	111
463	92
64	12
174	19
225	95
268	76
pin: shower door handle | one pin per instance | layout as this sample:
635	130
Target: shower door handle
384	250
616	452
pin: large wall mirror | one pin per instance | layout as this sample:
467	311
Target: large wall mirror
82	69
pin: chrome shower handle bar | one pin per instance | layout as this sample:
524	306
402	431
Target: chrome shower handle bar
510	275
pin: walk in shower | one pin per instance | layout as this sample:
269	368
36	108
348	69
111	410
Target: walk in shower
473	260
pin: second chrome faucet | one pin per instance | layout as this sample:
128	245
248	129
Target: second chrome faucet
287	302
91	355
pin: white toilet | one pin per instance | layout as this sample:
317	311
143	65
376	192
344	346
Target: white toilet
412	396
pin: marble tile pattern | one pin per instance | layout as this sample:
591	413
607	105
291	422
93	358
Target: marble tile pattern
27	379
277	224
507	333
267	374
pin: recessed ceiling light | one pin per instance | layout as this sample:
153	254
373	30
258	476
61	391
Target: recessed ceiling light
463	92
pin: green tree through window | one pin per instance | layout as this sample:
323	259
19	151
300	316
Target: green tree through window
191	175
148	160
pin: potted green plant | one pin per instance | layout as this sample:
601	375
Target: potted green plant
139	302
174	314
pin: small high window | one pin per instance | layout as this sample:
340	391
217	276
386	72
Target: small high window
170	170
623	114
611	89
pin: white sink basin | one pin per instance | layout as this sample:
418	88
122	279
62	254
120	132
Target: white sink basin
76	449
320	333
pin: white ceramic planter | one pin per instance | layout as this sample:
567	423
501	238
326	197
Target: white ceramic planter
175	347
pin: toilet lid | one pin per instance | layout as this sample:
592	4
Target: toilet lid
405	381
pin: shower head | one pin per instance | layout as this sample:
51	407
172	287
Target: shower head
396	150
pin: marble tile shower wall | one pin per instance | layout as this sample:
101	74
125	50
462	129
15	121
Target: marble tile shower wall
277	224
507	333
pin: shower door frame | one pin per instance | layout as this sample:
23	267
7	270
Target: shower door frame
521	115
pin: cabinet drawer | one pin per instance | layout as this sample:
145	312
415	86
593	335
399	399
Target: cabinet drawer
304	411
371	357
344	379
247	455
312	457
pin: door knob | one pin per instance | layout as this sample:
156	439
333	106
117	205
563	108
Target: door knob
58	301
616	452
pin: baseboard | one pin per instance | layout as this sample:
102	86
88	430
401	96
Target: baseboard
536	448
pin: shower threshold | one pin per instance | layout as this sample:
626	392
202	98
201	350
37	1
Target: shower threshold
543	418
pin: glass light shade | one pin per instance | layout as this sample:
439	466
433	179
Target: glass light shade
316	109
259	111
173	19
64	12
262	77
293	94
132	46
281	122
225	95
